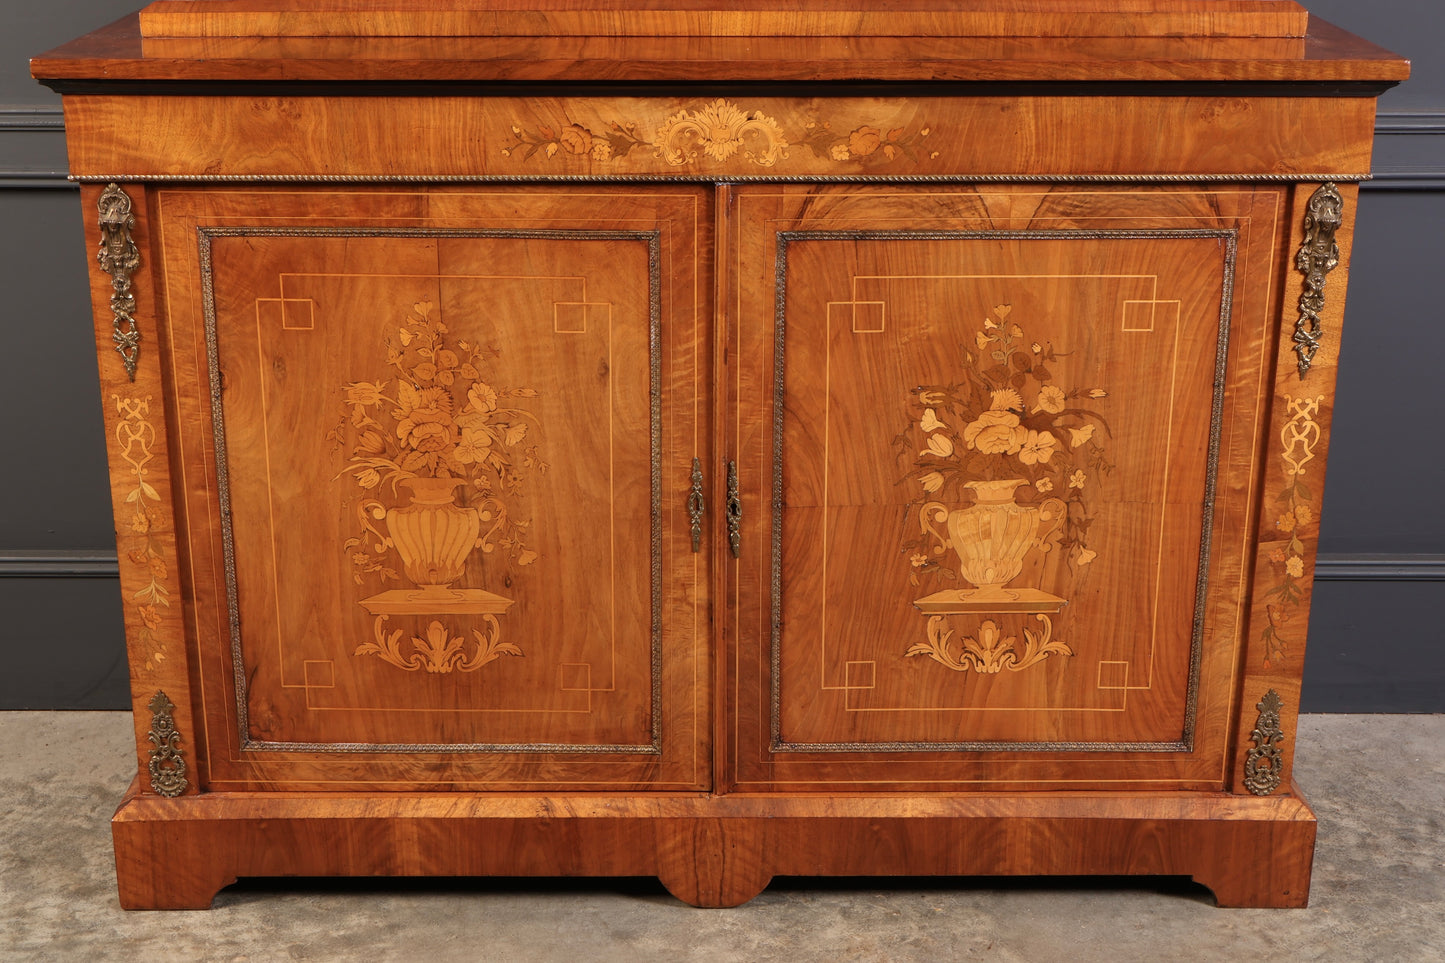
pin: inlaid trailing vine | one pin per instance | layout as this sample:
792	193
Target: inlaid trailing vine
136	436
1296	515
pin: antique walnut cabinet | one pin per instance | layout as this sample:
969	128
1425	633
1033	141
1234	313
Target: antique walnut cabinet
715	440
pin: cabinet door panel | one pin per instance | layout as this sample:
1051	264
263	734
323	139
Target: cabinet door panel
436	510
1003	435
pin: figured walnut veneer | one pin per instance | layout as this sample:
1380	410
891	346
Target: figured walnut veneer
705	18
633	474
710	851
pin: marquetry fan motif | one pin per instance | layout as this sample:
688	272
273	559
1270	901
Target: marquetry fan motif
717	132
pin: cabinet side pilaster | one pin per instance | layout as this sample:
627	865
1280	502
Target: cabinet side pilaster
125	309
1296	448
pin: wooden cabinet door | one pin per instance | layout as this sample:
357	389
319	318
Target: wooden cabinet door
436	448
996	455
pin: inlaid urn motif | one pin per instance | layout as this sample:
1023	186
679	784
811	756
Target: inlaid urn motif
992	536
440	451
1008	455
433	535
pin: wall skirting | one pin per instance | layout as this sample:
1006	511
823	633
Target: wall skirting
1410	122
1405	179
1390	568
79	563
92	563
29	180
24	117
32	143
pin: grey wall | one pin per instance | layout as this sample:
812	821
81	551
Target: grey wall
1374	643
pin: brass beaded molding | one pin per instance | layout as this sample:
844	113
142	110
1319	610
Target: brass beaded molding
716	178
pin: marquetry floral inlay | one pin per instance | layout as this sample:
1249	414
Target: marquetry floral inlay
438	651
1294	515
718	131
135	436
866	144
439	449
1005	459
440	416
1006	417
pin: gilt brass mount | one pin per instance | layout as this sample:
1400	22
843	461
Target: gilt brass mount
1318	256
167	766
734	512
119	257
1264	764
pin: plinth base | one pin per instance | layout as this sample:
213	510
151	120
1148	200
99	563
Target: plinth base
711	850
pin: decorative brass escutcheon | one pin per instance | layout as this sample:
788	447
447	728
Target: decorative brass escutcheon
696	505
734	512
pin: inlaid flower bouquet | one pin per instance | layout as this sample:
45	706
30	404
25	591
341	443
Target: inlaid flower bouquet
444	429
1007	429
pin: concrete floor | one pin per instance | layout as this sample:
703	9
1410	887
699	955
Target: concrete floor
1376	782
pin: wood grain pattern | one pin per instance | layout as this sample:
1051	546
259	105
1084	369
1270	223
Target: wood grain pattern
1326	54
715	138
737	58
720	851
694	18
364	338
138	448
1301	412
852	577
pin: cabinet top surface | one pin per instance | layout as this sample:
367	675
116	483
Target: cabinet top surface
711	18
662	41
